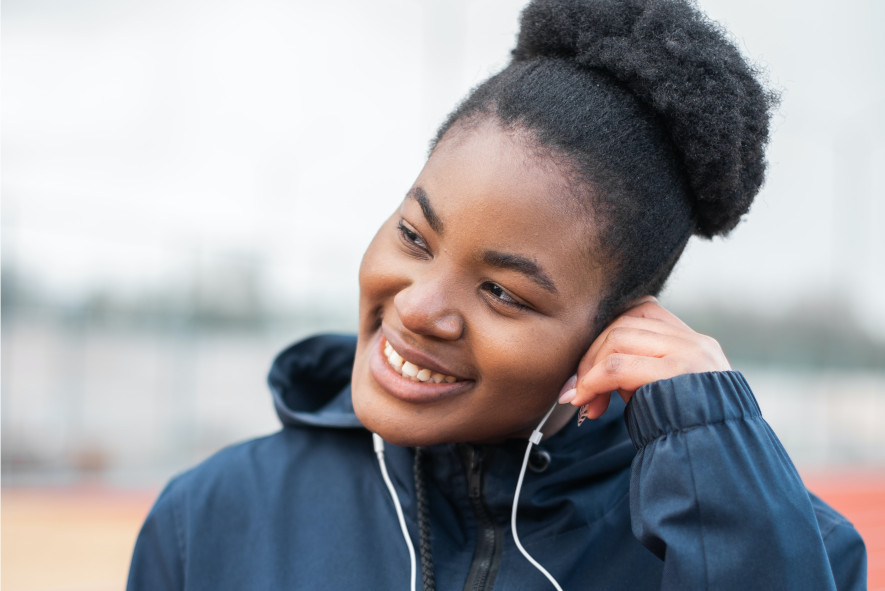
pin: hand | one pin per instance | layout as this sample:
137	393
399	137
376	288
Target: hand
645	344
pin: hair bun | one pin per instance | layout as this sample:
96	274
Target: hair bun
681	65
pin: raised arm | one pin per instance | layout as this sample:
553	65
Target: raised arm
712	492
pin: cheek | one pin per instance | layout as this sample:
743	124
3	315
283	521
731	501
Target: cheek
538	360
378	276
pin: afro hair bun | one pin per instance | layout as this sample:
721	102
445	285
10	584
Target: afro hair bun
682	66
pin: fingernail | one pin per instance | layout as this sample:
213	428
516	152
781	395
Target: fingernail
582	415
568	396
568	392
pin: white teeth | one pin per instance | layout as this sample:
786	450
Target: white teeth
395	360
412	371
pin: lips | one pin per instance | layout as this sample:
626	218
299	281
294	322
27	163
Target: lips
412	376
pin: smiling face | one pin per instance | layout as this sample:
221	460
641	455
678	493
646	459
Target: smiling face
481	287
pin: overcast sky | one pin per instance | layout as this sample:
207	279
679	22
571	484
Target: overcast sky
145	141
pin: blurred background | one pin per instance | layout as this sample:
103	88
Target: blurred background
188	187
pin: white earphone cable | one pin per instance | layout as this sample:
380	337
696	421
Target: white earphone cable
379	451
533	440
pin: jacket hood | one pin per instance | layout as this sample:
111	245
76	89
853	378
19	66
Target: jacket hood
310	382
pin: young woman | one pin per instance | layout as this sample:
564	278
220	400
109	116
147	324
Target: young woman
510	297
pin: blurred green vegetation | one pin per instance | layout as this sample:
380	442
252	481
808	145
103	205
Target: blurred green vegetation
817	334
812	335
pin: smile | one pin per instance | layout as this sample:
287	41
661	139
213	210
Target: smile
407	369
411	382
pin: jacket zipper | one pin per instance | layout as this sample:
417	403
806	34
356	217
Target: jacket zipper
487	556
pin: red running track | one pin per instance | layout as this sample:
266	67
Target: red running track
76	538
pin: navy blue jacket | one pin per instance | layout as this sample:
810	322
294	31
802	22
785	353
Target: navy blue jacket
692	491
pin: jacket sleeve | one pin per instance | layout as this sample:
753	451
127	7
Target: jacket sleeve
157	560
715	496
845	548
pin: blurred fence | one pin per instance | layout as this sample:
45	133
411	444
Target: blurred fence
129	405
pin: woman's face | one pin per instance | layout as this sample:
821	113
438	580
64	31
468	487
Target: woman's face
482	282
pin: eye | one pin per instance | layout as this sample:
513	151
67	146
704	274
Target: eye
412	240
500	296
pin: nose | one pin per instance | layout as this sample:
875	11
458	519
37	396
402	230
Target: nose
425	308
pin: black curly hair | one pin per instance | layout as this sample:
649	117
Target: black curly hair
660	118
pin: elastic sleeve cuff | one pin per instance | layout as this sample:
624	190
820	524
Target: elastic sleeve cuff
687	401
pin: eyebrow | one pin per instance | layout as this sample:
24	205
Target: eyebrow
519	264
419	195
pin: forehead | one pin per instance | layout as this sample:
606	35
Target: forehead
494	189
495	162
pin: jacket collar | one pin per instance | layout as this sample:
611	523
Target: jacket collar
310	382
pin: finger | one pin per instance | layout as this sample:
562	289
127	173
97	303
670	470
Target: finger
646	343
688	352
642	300
624	373
664	326
645	314
596	407
653	310
649	325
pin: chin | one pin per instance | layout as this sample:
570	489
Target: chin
399	426
394	427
